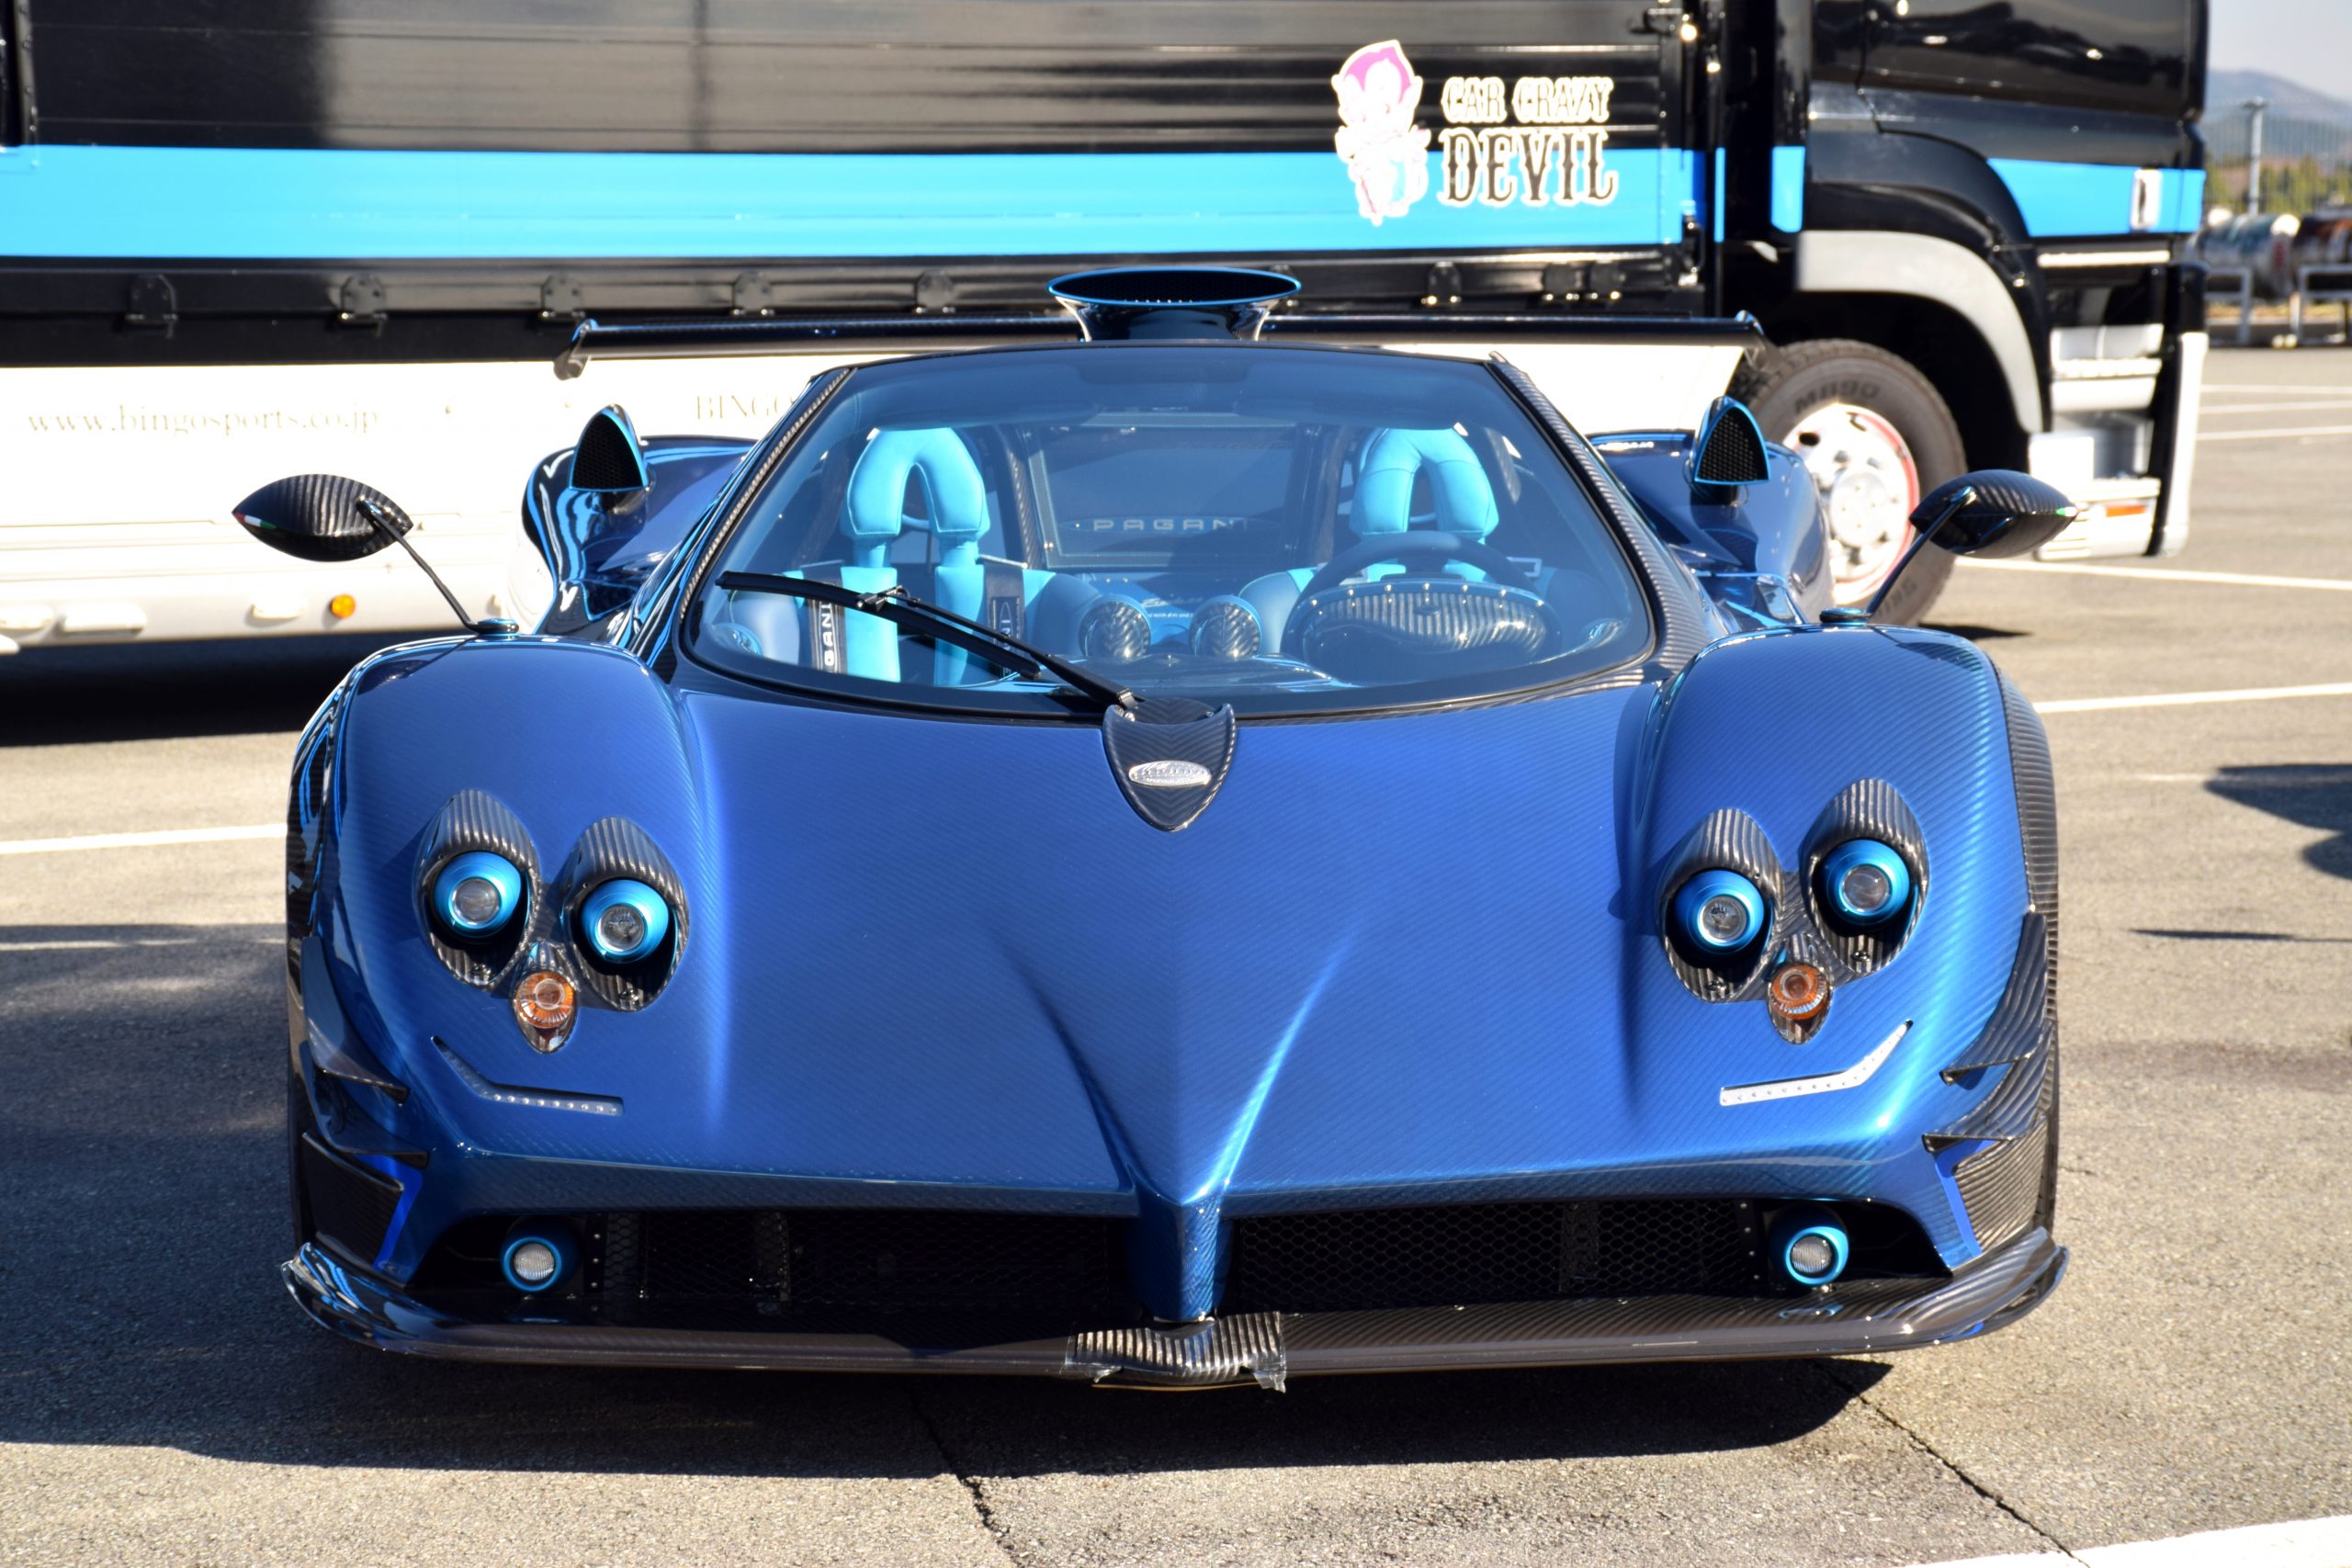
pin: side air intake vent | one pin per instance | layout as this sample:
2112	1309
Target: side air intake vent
609	459
1728	451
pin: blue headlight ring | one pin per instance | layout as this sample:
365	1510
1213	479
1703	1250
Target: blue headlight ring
1888	862
1694	896
494	869
650	906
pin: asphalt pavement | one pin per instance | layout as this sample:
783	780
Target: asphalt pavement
160	1401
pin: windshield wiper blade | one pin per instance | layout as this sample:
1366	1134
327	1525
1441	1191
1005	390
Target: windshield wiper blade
902	608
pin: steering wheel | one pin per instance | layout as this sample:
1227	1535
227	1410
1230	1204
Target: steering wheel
1499	566
1506	583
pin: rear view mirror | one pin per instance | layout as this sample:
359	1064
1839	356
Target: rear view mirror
324	517
321	517
1994	512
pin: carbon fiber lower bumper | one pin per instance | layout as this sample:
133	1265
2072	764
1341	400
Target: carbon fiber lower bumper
1263	1348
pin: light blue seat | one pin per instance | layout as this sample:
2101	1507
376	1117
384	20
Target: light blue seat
1040	605
1391	463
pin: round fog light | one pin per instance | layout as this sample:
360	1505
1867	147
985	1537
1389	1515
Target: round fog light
1809	1244
537	1258
533	1262
1810	1255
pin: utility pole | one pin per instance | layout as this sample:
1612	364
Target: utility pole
2254	110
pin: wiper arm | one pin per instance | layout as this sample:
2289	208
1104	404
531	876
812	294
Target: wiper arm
902	608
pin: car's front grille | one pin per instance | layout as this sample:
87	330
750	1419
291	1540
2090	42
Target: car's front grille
939	1279
1364	1259
901	1272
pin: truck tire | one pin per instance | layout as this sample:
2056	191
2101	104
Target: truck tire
1877	437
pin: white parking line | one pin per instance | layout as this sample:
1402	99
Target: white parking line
2271	387
2302	1544
2275	435
2185	699
2280	408
141	841
2162	574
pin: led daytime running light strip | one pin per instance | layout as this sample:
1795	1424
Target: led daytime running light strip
505	1094
1790	1089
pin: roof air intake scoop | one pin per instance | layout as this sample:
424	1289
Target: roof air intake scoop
1120	303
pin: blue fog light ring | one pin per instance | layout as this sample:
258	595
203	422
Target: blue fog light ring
650	906
1809	1220
553	1238
1704	888
494	869
1854	855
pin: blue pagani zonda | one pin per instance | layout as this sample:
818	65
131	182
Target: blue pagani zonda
1171	859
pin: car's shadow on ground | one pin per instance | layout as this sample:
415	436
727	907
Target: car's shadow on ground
143	1218
2315	794
154	691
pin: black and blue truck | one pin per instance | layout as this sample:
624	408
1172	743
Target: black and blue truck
1960	223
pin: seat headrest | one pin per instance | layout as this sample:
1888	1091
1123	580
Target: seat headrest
1393	458
877	490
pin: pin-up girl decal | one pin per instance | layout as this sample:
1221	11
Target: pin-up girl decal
1386	153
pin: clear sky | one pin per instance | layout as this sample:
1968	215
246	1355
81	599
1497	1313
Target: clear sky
2308	42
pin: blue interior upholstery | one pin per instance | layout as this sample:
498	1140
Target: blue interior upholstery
1394	458
1389	463
879	537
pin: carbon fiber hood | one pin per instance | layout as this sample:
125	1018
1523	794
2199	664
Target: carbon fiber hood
937	963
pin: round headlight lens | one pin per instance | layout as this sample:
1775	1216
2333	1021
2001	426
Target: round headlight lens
477	893
1867	881
1720	911
624	920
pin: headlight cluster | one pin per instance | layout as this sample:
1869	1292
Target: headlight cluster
1720	911
1739	925
606	931
477	894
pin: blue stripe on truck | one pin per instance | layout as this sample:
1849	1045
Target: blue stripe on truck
273	203
2096	198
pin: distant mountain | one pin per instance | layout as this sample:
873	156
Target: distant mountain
2225	90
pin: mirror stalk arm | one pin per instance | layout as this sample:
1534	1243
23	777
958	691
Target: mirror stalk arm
383	526
1961	497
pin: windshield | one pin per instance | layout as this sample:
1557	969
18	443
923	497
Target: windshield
1286	530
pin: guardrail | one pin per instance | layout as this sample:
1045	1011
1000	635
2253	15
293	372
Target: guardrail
2324	285
2241	278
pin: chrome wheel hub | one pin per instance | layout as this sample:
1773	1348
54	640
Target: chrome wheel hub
1869	485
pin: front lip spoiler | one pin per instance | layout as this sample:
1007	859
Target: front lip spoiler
1268	1348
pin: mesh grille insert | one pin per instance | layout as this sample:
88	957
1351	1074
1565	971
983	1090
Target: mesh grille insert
349	1206
938	1276
1370	1259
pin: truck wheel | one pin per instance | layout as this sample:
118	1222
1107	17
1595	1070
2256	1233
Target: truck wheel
1877	437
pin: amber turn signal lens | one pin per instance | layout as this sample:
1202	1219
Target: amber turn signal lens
342	606
543	1003
1798	990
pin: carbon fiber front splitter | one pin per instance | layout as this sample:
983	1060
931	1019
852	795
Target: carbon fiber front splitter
1263	1348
